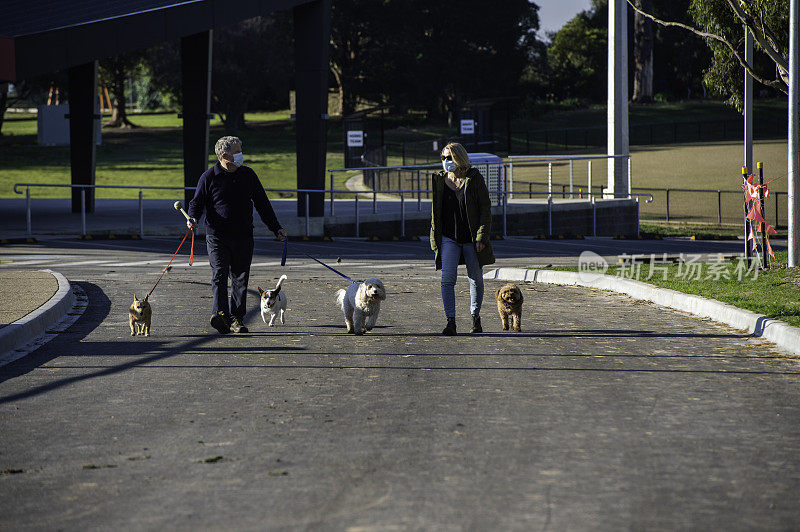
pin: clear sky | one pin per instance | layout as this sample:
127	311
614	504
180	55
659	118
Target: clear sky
554	13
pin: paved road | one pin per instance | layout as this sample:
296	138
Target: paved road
604	413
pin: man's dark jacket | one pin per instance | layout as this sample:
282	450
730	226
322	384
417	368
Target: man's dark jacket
228	199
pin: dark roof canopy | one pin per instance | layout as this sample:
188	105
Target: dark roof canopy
37	37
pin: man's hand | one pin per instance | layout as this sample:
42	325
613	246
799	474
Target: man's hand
281	234
191	223
479	246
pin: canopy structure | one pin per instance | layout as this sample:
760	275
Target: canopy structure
47	36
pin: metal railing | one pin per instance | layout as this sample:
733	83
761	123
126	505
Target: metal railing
306	194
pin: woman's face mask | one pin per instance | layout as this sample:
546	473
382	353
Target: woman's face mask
448	163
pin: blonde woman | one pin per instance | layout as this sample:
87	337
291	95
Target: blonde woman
461	220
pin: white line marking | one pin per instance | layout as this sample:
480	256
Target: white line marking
26	262
141	263
83	263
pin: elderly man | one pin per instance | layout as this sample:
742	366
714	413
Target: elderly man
227	192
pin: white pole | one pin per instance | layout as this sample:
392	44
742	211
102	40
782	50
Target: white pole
618	142
793	195
571	175
589	181
748	102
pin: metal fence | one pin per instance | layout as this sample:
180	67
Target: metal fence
697	205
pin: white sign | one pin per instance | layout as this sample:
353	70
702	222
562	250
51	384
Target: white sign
468	127
355	139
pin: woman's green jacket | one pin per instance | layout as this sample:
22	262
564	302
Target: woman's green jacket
479	215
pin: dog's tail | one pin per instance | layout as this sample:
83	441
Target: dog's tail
280	282
340	297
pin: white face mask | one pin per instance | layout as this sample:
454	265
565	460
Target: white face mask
449	166
238	159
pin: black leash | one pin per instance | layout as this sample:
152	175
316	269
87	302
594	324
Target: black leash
283	261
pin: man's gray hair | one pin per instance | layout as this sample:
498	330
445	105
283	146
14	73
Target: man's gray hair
225	145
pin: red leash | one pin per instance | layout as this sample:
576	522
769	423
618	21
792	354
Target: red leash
166	268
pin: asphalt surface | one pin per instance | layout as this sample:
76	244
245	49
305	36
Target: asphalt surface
603	413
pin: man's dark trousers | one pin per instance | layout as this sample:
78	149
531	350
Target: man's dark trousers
230	257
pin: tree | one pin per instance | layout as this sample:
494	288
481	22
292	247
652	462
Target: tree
252	65
436	54
643	54
578	56
721	24
251	68
112	74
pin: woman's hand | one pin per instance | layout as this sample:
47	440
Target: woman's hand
479	246
281	234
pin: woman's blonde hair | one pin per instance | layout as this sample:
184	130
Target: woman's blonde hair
460	157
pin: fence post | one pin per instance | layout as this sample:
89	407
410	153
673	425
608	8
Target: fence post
505	215
594	216
419	192
83	212
141	216
667	204
530	190
630	177
719	207
356	204
374	192
589	184
571	174
402	215
28	209
510	173
549	180
550	216
308	230
331	193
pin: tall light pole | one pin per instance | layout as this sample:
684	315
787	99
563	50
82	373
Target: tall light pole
617	117
793	178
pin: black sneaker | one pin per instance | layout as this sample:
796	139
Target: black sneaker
238	327
220	322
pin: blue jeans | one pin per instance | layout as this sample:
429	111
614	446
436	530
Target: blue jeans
451	253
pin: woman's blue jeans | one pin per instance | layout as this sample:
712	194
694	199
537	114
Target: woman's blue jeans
451	252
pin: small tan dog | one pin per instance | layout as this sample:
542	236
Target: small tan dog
509	303
139	316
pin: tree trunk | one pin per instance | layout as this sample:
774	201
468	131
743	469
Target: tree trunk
119	115
643	54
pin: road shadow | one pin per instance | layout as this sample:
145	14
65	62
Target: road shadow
98	309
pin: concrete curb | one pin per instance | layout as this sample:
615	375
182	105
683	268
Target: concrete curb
28	327
776	331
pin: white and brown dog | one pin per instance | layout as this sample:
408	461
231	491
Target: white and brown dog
273	302
361	304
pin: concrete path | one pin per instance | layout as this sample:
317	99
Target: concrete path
604	413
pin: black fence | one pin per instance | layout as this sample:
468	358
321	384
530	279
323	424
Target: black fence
564	140
695	205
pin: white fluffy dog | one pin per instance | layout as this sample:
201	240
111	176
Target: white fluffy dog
361	303
273	302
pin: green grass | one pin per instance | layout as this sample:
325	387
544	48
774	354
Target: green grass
152	155
774	292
